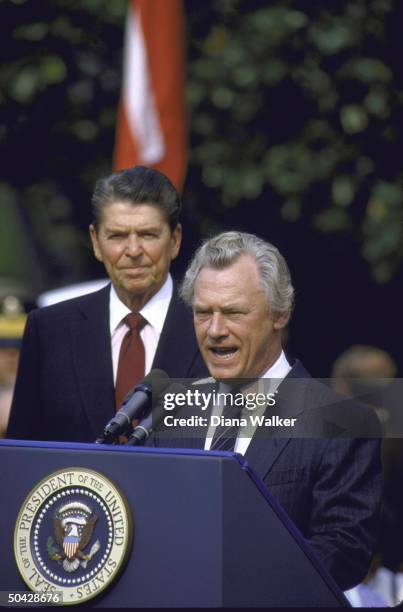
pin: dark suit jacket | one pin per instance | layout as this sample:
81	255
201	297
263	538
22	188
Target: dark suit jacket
64	389
329	486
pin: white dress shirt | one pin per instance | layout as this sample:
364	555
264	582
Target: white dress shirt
276	373
155	312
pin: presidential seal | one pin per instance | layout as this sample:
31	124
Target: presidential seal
73	535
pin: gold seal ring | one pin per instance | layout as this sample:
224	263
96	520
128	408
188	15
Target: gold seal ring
72	536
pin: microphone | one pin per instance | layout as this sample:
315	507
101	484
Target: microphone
135	405
153	419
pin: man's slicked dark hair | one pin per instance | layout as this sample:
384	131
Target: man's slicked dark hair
137	185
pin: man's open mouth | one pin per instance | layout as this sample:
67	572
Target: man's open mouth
223	352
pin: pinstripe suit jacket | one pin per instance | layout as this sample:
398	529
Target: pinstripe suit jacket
330	486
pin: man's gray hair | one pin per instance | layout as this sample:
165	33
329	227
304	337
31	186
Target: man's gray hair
223	250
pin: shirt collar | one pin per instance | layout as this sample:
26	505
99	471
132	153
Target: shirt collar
279	369
154	311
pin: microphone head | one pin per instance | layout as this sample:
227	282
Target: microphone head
155	383
154	418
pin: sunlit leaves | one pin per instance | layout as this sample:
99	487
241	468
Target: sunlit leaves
294	107
33	31
343	190
300	104
333	220
353	118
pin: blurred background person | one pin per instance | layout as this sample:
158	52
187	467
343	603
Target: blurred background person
362	365
364	372
367	373
12	323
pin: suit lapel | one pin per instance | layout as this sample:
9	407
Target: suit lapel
92	359
264	450
177	346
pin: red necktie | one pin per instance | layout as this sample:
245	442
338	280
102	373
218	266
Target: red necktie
131	362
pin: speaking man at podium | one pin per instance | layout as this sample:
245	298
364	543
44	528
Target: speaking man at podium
80	357
240	290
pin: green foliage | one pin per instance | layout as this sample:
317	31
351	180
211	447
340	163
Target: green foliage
60	85
299	104
18	266
382	227
295	107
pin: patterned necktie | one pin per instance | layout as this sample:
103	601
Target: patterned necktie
131	362
225	436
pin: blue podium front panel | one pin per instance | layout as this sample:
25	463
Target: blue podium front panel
206	534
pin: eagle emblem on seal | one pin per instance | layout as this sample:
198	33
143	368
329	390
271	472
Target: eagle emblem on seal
73	525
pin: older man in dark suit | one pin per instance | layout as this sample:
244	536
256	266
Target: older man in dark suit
240	290
80	357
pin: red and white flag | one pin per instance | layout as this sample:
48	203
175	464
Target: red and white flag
151	128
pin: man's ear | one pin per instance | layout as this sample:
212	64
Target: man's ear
281	321
176	239
94	241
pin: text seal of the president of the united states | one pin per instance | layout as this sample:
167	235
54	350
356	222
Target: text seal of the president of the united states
73	535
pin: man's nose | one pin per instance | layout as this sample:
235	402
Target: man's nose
218	326
133	246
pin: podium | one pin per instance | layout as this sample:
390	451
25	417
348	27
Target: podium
207	532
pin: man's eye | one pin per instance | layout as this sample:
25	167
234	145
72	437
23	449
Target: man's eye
201	314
